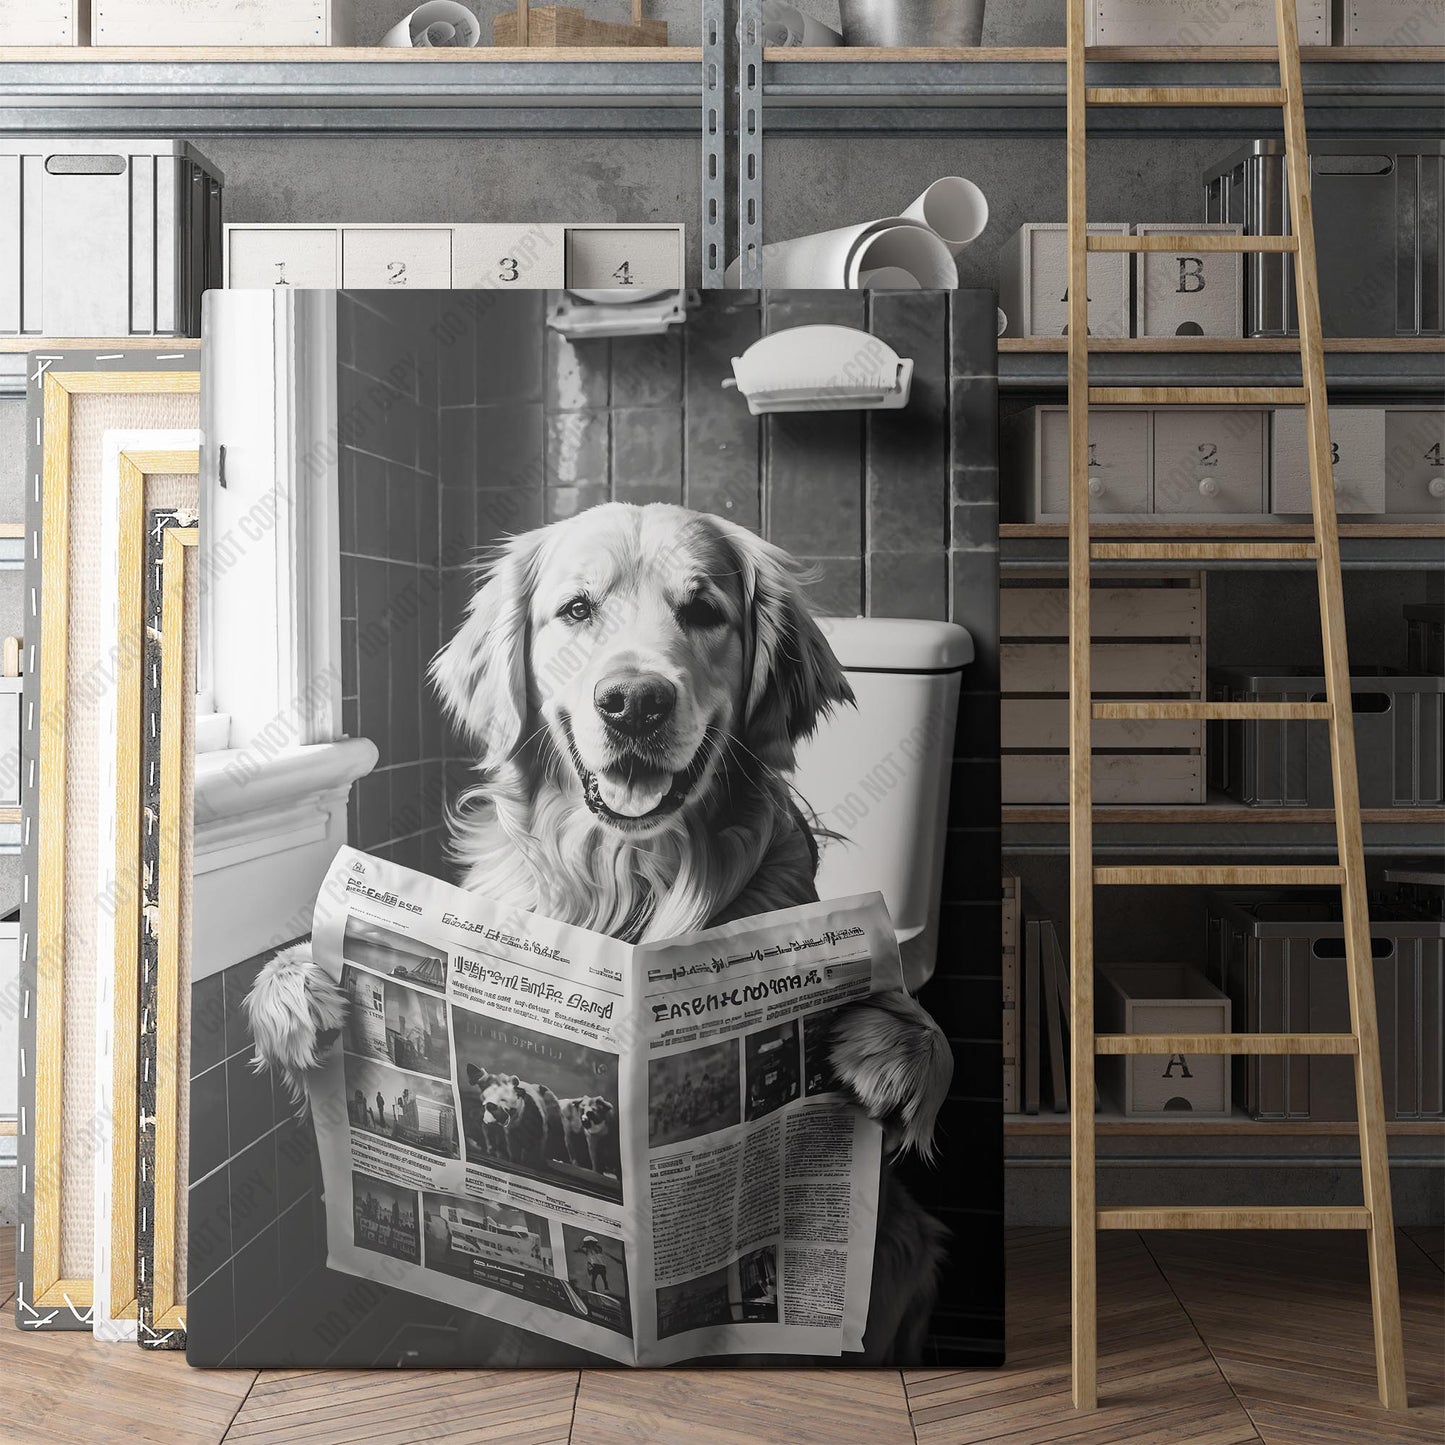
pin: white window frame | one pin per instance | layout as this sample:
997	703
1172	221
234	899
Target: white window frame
270	804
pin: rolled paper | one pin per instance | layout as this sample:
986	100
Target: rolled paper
437	25
888	278
1002	321
786	25
836	260
954	209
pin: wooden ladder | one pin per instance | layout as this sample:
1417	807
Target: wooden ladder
1376	1217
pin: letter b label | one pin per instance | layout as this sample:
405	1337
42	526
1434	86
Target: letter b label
1191	275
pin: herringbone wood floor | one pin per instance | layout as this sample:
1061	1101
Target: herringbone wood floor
1204	1340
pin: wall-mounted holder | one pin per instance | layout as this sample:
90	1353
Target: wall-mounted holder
594	314
821	368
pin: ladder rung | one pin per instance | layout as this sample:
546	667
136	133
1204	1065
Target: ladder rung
1218	711
1222	1217
1226	876
1198	395
1185	95
1205	551
1186	241
1266	1044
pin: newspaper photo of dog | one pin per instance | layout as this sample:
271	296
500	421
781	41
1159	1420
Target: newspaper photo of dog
538	1108
577	607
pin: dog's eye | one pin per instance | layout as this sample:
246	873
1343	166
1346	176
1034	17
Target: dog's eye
579	609
700	613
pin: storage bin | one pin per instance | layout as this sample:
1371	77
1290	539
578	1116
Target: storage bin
1389	22
106	238
221	22
1357	442
1425	637
1209	463
1036	453
1415	461
1280	958
1162	999
1034	282
468	257
1377	212
43	22
1399	739
1188	22
1189	293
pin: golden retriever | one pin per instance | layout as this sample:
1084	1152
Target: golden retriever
634	681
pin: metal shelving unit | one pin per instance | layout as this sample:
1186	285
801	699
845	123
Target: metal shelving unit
1021	91
1220	828
1404	369
328	91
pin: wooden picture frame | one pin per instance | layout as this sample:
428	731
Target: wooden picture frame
74	397
171	556
136	462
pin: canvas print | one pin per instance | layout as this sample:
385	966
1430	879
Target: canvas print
619	1029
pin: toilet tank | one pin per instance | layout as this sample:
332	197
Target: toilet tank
878	776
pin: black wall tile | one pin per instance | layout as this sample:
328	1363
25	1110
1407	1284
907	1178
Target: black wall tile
646	463
722	446
257	1280
913	584
211	1319
252	1191
208	1024
209	1130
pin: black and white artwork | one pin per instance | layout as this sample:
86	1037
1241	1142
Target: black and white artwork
596	612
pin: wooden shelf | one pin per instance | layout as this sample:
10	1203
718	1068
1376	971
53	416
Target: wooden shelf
1046	1125
24	345
1056	54
344	54
1224	345
1222	813
1221	531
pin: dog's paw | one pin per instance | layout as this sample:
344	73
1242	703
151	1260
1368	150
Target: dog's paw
895	1061
295	1012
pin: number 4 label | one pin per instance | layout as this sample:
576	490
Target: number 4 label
623	274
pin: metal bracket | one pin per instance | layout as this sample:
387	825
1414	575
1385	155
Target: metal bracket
750	144
714	142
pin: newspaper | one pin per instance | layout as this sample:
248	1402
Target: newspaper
635	1149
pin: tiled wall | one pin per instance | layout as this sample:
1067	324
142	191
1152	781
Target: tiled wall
256	1225
391	530
898	513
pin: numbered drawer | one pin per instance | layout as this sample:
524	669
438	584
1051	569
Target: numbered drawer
520	257
1190	293
601	257
272	256
1118	462
1414	459
1209	462
387	258
1357	451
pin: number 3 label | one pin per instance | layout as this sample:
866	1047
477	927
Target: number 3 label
509	269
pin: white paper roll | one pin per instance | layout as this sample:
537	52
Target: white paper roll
888	278
786	25
437	25
836	260
954	209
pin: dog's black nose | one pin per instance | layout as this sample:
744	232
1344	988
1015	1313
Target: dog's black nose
635	705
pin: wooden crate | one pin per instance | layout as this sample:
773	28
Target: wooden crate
1148	644
554	26
220	22
1148	998
54	22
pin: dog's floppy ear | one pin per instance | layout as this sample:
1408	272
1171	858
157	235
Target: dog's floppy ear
481	674
792	677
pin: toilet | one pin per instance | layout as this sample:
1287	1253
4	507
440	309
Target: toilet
879	776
